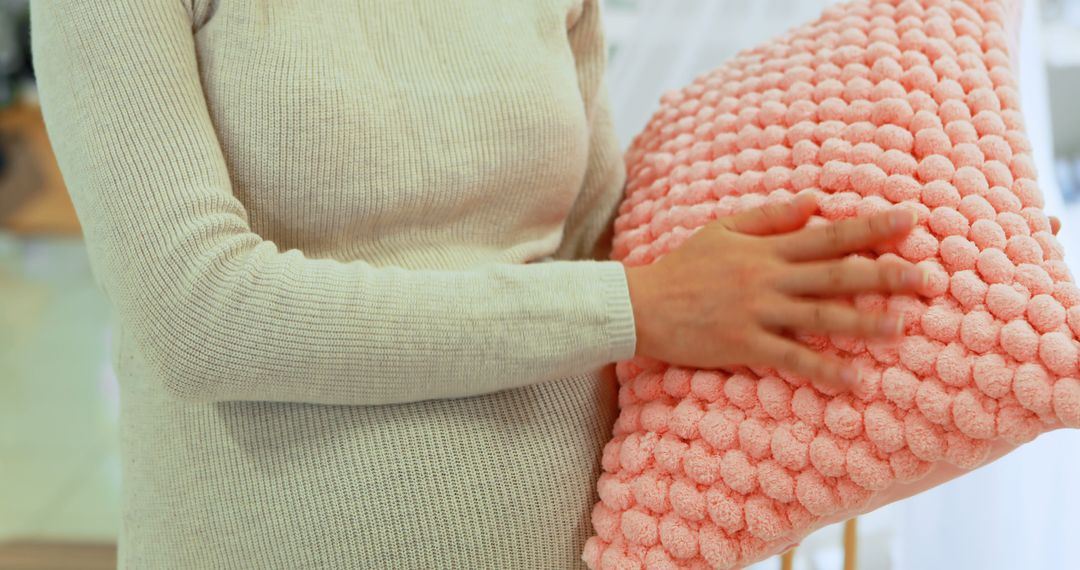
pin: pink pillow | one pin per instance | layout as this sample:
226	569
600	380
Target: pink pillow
879	102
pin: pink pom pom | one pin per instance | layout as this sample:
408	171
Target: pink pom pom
931	141
762	520
953	365
1017	425
1057	351
725	509
1014	224
933	401
639	527
958	253
834	150
953	111
866	470
976	208
789	450
979	331
814	494
991	375
925	440
893	110
907	466
893	161
947	89
894	137
865	152
775	396
900	188
986	233
926	120
1024	249
983	99
883	429
776	483
987	123
941	322
946	221
961	131
1049	244
738	472
966	154
1045	313
970	417
899	387
1028	193
970	180
1032	388
1003	200
995	147
940	193
1066	401
918	245
968	288
836	176
936	167
718	550
754	438
1034	278
685	417
994	266
919	353
867	179
842	419
1019	340
1023	166
997	174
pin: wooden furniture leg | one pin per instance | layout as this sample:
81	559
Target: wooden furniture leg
787	561
851	550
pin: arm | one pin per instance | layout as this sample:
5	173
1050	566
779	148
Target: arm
220	313
589	225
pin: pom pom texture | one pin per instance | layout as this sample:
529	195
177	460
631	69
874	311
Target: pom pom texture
878	102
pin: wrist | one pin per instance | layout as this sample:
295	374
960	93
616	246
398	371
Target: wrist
638	285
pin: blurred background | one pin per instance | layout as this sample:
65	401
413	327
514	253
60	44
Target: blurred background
59	464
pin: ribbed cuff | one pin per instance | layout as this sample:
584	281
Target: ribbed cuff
622	335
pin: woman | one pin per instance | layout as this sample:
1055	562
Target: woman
357	252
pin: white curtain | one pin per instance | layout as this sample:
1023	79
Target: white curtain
668	42
1019	513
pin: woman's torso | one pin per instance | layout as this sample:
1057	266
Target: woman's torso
335	119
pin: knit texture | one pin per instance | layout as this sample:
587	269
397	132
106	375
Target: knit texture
358	258
879	102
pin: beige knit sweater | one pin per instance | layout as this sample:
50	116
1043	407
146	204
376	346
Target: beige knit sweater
357	254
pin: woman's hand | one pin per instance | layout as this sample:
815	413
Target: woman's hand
724	296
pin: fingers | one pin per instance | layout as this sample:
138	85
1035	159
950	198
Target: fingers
1055	225
782	353
851	275
772	218
829	317
845	236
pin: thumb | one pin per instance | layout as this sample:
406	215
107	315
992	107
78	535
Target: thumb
773	218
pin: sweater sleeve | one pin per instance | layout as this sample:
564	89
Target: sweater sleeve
219	313
589	230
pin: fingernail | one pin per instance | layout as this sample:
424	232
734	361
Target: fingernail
849	376
902	218
914	276
892	325
803	199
